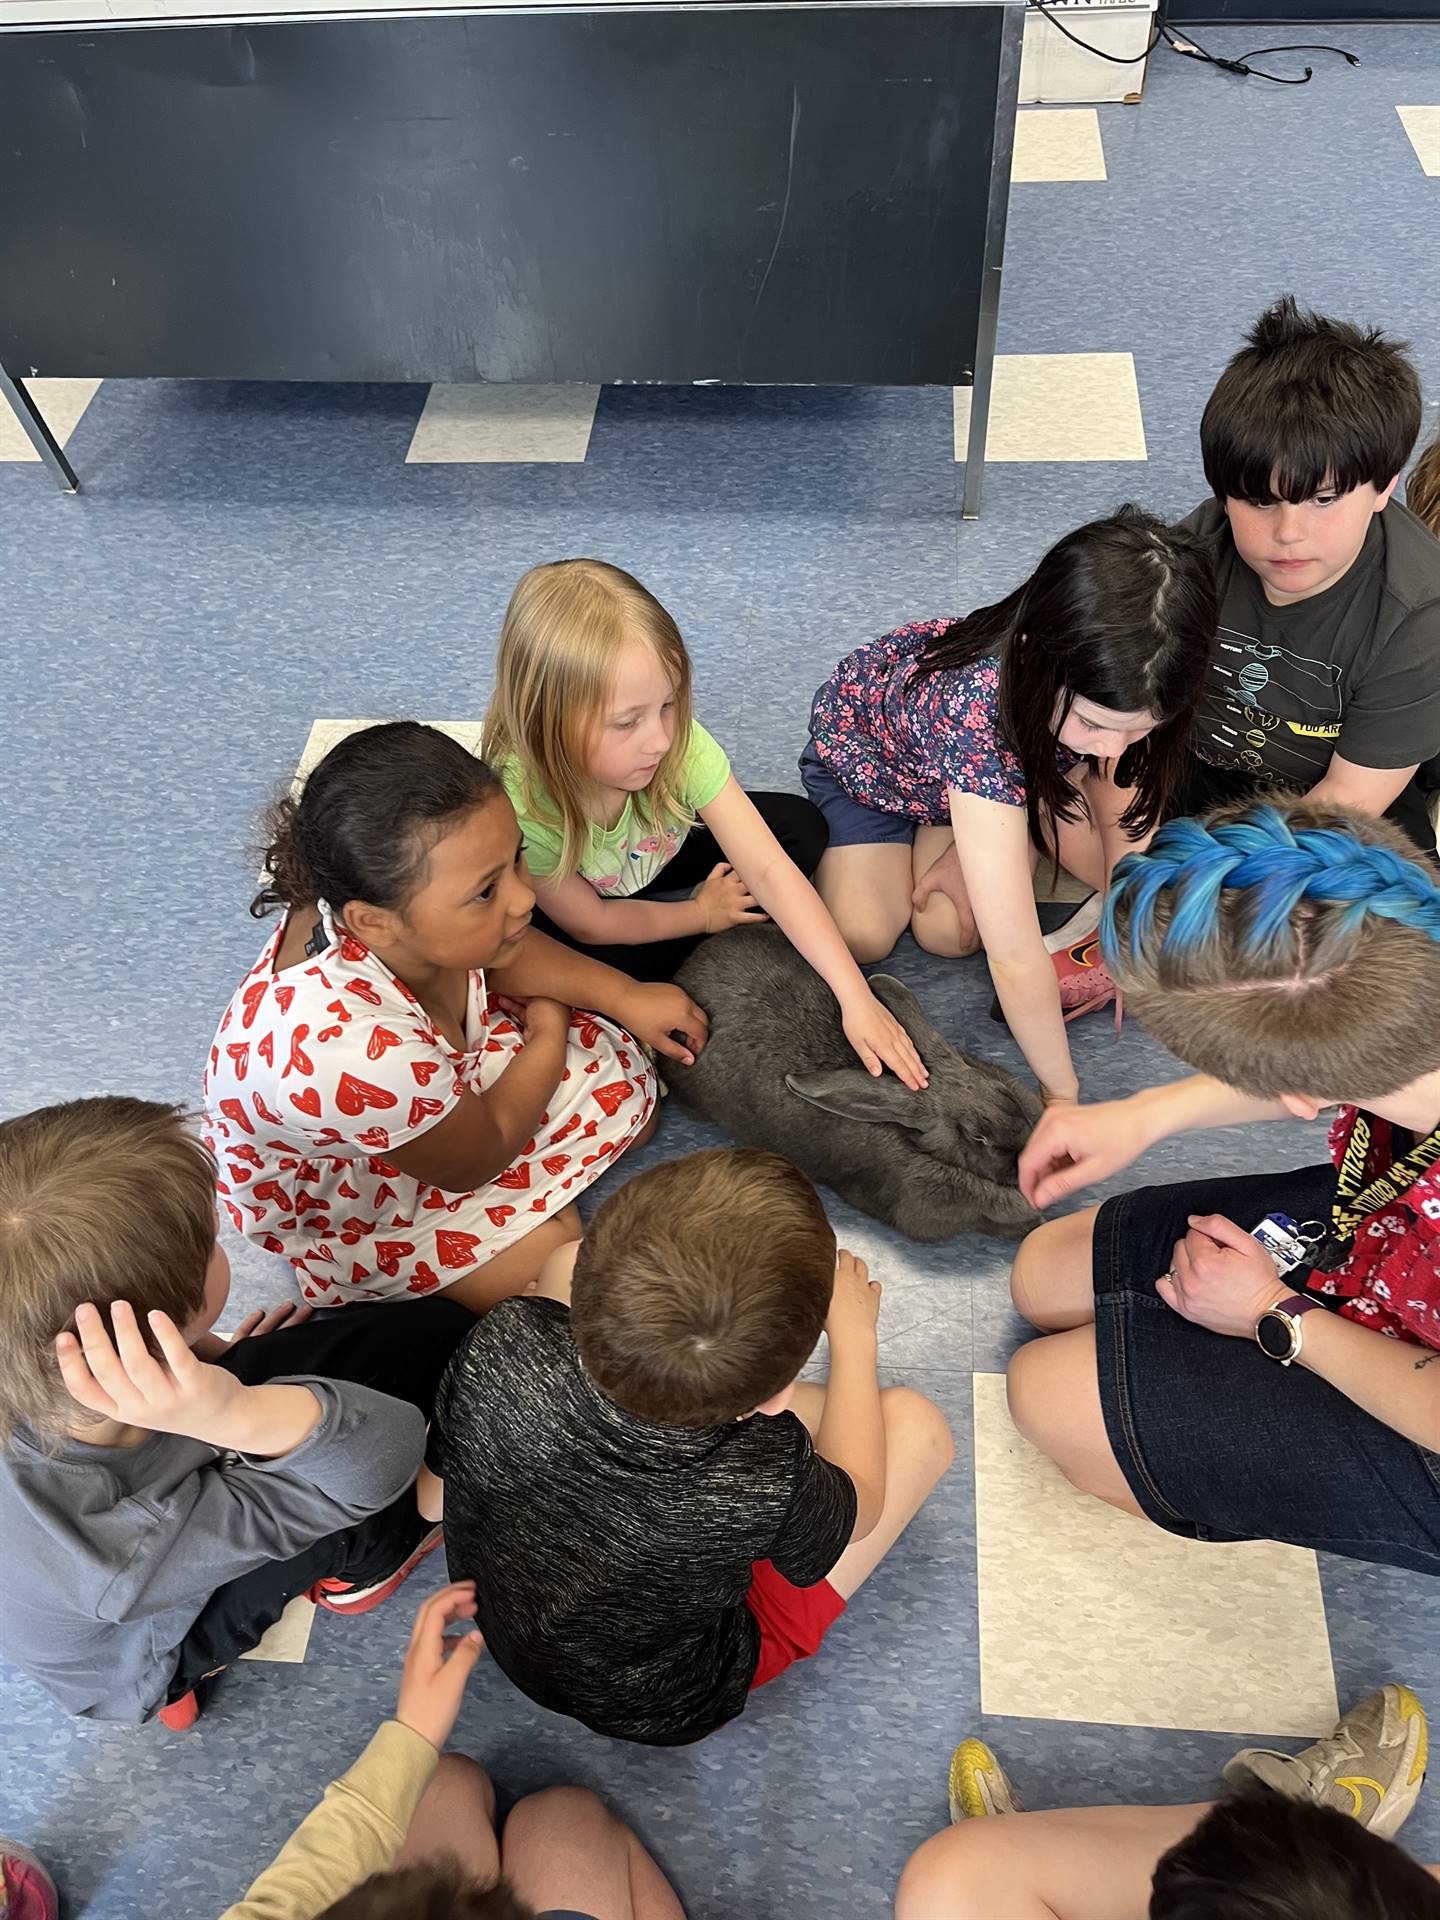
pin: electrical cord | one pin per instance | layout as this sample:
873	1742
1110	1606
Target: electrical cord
1190	49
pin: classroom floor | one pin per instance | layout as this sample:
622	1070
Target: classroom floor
245	562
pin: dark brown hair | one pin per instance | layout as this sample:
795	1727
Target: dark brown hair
367	816
1309	403
438	1889
1283	947
1263	1856
1422	489
702	1286
1121	612
101	1200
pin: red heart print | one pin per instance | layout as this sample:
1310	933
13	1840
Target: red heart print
250	1002
354	1096
555	1163
347	1192
424	1279
239	1052
322	1253
495	1046
265	1047
517	1176
587	1028
382	1194
454	1249
610	1099
539	1206
229	1016
308	1101
351	950
283	997
271	1190
242	1152
499	1215
424	1070
389	1254
565	1132
590	1129
271	1244
357	1272
352	1229
299	1061
592	1066
310	1202
421	1106
363	990
306	1170
328	1033
328	1137
275	1119
380	1039
236	1216
240	1175
214	1058
374	1138
623	1058
339	1009
566	1074
233	1110
319	973
220	1187
544	1119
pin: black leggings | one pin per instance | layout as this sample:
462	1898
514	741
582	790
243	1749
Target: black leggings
796	824
401	1348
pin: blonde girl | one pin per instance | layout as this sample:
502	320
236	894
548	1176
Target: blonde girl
623	799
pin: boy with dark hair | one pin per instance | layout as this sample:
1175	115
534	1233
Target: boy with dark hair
656	1516
164	1493
1326	673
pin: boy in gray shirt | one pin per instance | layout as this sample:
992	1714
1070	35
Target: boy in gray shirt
164	1493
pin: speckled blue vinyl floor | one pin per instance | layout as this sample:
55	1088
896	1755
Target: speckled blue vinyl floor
244	560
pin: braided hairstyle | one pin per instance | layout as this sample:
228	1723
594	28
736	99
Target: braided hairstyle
1283	947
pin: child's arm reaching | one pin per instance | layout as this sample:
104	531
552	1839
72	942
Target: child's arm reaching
799	912
851	1434
721	900
994	848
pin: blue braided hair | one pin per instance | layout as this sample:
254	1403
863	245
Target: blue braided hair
1280	864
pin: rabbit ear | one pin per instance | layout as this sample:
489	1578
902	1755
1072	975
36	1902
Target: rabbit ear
897	998
855	1095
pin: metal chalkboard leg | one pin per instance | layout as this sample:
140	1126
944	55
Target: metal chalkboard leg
38	434
1012	28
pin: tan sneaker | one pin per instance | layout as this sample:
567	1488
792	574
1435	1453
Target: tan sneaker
1371	1767
977	1784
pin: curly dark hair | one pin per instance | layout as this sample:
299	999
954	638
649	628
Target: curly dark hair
438	1889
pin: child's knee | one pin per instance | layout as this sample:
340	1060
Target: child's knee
463	1785
1052	1264
917	1427
869	935
1028	1268
575	1813
942	934
951	1877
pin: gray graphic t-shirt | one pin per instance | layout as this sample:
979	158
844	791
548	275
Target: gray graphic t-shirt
1354	670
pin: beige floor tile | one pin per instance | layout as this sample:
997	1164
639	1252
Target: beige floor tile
1090	1614
1423	126
1058	143
62	402
325	734
1059	406
505	424
289	1638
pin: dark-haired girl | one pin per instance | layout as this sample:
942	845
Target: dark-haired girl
400	1097
949	756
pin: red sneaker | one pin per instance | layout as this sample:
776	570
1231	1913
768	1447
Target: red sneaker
26	1890
339	1596
1084	984
181	1714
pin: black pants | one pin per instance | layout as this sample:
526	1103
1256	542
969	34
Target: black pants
397	1348
795	823
1204	787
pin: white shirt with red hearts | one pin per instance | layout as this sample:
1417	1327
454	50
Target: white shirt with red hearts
316	1072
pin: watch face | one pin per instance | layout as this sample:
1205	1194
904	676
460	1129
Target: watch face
1275	1335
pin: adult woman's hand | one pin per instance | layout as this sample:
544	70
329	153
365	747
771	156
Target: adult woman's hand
1074	1146
1222	1278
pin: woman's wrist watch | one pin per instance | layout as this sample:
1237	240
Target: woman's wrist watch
1277	1331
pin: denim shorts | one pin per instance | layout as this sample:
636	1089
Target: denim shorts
851	822
1218	1441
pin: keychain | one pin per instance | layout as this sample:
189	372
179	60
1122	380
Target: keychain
1288	1243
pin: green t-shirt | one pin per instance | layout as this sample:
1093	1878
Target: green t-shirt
622	859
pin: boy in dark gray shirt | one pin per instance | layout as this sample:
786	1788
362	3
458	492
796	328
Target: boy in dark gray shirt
163	1493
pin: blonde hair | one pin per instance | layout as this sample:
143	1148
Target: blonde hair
1422	489
562	635
100	1200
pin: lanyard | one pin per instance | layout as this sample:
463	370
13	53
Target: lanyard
1353	1203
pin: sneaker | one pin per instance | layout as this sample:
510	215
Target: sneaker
26	1890
1083	924
1371	1767
978	1785
340	1596
1084	984
181	1714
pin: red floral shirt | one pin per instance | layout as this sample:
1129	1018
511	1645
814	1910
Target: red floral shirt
1391	1281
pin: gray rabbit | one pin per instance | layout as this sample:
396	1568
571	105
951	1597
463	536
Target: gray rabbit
779	1073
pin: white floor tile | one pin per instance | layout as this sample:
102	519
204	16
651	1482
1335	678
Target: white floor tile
1423	126
1058	143
325	734
1059	406
1089	1614
505	424
62	402
289	1638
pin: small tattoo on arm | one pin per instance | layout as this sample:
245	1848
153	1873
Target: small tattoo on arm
1426	1358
